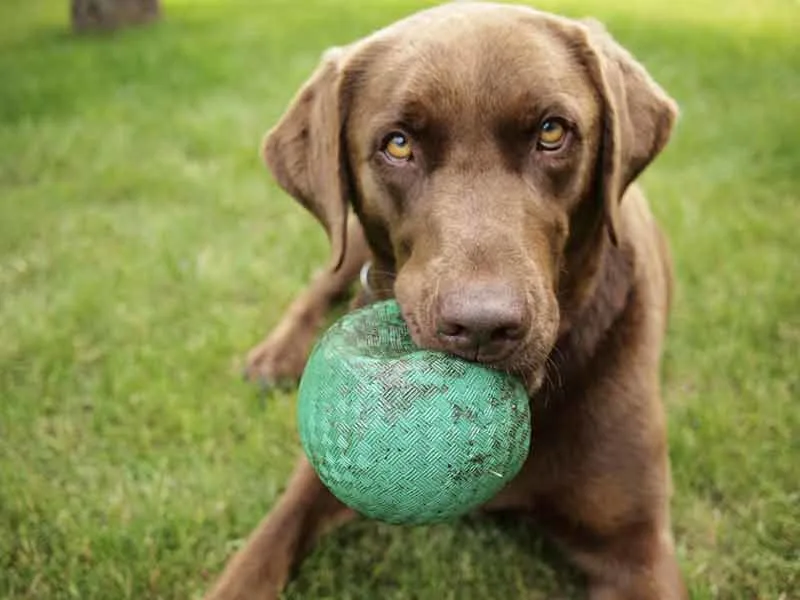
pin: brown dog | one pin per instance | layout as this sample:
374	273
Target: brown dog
488	152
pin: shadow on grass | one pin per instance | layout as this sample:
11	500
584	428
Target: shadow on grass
370	560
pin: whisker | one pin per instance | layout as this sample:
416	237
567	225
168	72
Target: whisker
548	381
554	385
525	381
557	366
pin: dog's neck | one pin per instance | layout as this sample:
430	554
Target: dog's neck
589	315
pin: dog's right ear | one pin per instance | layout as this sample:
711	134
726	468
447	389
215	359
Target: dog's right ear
306	150
638	116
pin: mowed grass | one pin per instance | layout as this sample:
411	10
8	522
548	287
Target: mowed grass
143	249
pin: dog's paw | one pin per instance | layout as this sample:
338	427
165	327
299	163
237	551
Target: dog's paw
279	360
275	363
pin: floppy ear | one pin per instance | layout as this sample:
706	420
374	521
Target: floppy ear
306	154
638	117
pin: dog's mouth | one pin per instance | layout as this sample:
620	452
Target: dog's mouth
506	324
489	358
528	359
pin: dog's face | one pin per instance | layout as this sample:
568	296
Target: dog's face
484	148
468	153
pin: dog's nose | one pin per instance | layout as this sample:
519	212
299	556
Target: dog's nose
482	319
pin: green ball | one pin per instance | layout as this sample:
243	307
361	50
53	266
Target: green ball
406	435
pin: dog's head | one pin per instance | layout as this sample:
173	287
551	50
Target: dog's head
485	149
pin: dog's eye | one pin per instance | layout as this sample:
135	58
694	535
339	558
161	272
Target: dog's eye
552	134
397	147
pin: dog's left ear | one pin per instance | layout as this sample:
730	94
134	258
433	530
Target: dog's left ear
305	150
638	117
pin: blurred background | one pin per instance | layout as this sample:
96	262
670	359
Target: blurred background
144	249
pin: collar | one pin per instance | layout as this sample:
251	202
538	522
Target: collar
364	278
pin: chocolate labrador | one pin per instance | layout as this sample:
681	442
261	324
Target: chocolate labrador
482	157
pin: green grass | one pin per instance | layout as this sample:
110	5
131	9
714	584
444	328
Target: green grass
143	249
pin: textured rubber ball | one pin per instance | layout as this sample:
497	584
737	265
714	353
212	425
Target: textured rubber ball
406	435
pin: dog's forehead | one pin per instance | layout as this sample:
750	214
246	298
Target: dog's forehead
478	59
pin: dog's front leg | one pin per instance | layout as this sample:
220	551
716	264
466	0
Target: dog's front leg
636	566
282	355
260	570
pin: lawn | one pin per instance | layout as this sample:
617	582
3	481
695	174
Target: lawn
143	249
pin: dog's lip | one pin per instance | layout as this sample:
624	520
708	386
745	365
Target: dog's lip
494	360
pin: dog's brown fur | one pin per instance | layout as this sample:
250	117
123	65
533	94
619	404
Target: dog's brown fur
565	234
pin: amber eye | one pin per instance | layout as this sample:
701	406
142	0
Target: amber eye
397	147
552	134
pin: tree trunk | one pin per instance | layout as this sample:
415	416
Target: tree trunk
93	15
